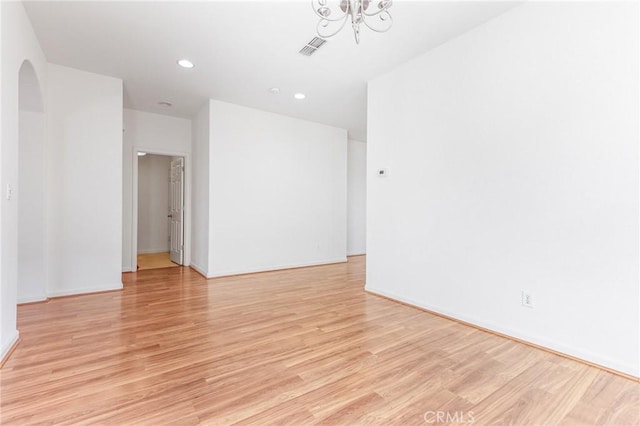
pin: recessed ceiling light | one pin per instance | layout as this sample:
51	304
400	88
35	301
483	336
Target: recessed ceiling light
274	90
299	96
142	154
185	63
165	104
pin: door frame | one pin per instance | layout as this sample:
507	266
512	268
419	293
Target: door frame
186	225
176	168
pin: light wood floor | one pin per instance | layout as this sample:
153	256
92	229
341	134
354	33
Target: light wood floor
295	347
155	261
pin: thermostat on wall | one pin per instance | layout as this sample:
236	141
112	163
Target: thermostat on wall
383	172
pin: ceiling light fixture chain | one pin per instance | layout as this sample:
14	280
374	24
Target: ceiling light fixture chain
378	20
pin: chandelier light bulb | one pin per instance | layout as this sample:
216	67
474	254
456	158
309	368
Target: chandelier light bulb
324	11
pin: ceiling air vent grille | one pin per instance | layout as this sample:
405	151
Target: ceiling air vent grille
312	46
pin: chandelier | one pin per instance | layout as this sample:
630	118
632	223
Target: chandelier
375	17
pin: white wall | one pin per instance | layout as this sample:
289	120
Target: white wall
32	278
153	203
513	152
5	305
200	212
278	189
19	43
356	198
160	134
84	126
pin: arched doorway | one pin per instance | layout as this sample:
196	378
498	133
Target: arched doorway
31	191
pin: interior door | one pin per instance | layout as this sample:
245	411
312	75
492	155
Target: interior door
176	207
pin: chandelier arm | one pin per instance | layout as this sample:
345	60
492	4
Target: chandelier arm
390	23
332	19
344	21
313	6
377	12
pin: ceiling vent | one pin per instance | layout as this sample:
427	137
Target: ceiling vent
312	46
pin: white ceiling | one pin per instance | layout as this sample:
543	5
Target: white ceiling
241	49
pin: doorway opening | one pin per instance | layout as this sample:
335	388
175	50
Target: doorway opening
160	211
30	194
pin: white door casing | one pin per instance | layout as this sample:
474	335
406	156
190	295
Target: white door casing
176	210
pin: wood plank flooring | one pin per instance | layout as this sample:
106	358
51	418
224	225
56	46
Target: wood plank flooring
302	346
155	261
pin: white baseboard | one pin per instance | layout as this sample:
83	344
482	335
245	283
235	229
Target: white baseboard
589	357
31	299
153	251
199	269
77	291
7	345
356	253
227	273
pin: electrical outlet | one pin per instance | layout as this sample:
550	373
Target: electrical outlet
527	299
